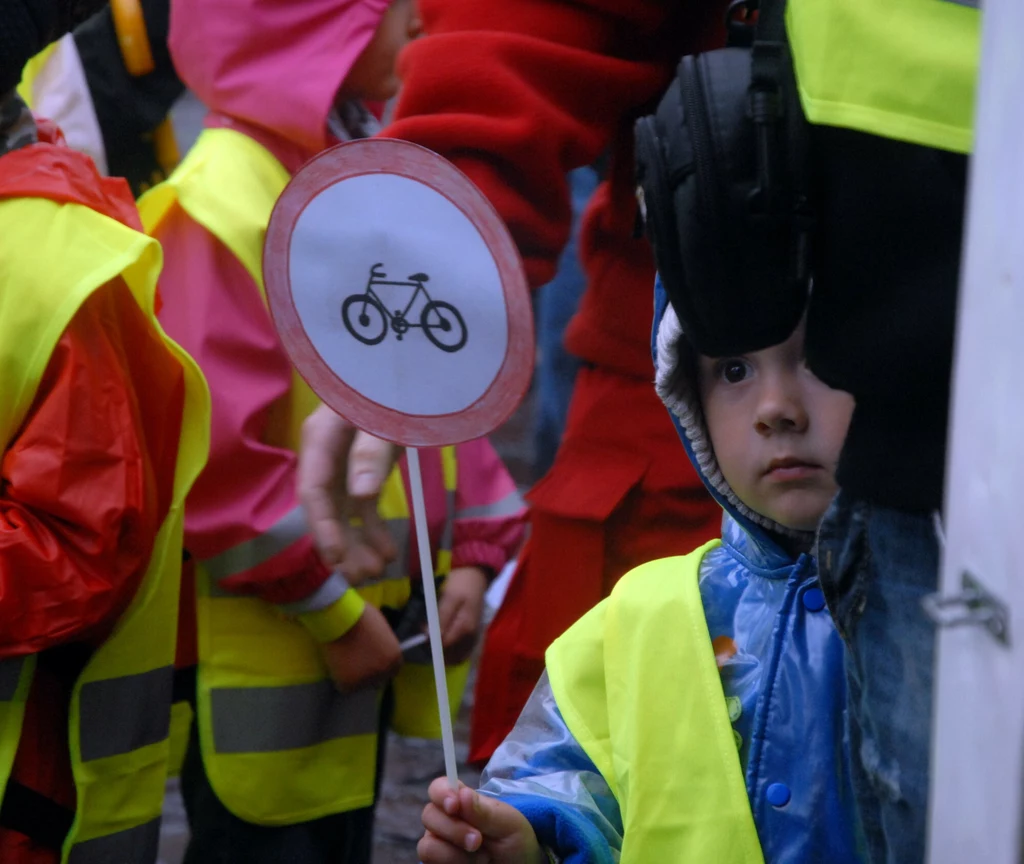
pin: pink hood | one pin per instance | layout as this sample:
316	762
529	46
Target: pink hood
274	64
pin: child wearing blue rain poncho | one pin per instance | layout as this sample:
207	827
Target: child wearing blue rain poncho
696	715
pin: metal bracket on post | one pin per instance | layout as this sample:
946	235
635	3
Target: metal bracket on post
973	606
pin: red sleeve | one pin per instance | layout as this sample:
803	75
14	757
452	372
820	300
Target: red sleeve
518	92
87	479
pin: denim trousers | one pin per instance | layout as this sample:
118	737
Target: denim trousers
555	304
876	565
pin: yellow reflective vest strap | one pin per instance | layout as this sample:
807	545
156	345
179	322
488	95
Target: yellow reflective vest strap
120	704
229	183
15	682
636	682
313	751
902	69
280	745
26	88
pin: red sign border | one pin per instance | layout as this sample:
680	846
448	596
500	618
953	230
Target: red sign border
404	159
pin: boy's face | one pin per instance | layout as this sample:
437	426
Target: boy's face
776	430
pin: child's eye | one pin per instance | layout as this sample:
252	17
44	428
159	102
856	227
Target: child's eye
733	370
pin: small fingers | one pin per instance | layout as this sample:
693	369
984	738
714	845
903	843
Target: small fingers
329	539
459	652
492	818
361	562
459	634
447	613
454	831
369	546
432	849
370	462
326	439
323	456
443	796
375	530
463	624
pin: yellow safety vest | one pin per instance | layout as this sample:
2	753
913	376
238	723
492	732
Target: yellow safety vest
637	684
280	744
120	705
32	70
903	69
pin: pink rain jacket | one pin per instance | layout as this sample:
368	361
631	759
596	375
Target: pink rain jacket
271	69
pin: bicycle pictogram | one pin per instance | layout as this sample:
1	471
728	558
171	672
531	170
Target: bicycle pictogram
441	322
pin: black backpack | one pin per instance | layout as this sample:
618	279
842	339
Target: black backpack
723	189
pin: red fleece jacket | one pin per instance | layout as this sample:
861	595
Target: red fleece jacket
519	92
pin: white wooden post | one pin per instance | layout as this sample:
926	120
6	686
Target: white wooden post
977	790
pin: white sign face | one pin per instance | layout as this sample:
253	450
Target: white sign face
398	293
417	323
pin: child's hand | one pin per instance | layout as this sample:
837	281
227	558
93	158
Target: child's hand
461	609
469	827
341	473
368	655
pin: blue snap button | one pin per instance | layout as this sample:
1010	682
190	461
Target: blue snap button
814	600
778	794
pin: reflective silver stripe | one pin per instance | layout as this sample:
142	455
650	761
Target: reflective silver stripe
118	715
971	4
399	568
136	845
10	673
269	719
328	593
278	537
507	506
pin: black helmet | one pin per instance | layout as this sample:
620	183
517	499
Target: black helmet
722	190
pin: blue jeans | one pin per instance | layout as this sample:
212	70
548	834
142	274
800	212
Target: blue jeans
876	564
556	303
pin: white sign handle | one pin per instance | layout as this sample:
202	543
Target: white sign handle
419	511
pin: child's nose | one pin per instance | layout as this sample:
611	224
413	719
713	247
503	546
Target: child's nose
781	407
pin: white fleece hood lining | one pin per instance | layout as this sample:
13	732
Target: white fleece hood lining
681	398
